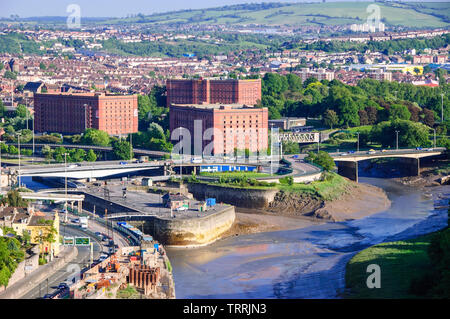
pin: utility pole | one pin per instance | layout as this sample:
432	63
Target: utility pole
434	138
442	107
65	184
131	146
32	121
271	149
18	141
357	147
396	132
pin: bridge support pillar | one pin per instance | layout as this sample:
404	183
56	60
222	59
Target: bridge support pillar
412	166
348	169
80	206
195	170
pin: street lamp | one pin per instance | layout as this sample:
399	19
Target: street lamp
434	137
18	141
65	184
357	147
271	148
442	107
396	132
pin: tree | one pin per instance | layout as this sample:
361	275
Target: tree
42	66
91	156
398	111
22	111
322	159
13	199
121	150
95	137
330	118
411	134
363	117
156	131
10	75
428	117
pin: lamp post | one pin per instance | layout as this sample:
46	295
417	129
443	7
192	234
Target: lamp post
18	141
396	139
65	185
131	146
271	149
442	107
357	145
434	138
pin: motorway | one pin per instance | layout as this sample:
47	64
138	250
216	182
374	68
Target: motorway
71	269
81	261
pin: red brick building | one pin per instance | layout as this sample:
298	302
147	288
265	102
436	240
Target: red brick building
74	112
235	126
207	91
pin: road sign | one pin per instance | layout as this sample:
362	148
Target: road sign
82	241
68	241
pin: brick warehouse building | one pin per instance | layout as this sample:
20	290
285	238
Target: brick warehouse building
74	112
207	91
240	126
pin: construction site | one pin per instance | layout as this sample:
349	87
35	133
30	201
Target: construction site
134	272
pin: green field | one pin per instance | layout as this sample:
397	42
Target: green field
337	13
400	262
234	174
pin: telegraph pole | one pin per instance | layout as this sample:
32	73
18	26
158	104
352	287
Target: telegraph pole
18	141
396	132
65	183
442	107
357	147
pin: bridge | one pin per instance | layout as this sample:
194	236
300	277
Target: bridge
129	215
136	151
309	137
347	163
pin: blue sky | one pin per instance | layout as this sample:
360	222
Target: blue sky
111	8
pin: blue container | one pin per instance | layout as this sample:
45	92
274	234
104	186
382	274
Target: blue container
210	201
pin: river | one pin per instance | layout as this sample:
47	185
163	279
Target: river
308	262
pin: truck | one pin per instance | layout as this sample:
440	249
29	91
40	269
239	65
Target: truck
84	222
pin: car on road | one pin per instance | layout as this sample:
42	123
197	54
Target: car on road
372	151
383	150
343	154
418	148
351	152
429	149
123	163
181	208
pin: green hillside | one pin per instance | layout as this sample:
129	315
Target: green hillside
336	13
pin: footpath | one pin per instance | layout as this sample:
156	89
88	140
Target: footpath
23	286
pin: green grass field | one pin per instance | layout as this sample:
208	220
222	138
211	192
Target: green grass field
400	263
234	174
326	190
334	13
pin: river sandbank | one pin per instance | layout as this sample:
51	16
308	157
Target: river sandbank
361	201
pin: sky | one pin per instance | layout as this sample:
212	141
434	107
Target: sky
112	8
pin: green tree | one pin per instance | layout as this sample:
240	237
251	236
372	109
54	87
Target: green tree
322	159
91	156
399	111
330	118
95	137
13	199
122	150
22	111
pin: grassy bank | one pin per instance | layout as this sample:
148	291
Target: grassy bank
415	268
331	187
401	262
234	174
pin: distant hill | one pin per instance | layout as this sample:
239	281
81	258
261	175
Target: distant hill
411	14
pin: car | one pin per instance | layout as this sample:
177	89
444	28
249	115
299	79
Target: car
123	163
418	148
72	166
383	150
429	149
351	152
63	285
181	208
343	154
371	151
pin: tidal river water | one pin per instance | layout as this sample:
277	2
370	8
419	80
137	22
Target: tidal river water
308	262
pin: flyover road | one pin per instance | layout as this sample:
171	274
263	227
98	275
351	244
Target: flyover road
70	270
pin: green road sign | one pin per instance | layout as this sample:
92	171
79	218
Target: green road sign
68	241
82	241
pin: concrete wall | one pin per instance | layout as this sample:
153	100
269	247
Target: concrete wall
190	232
348	169
412	165
249	198
24	268
23	286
